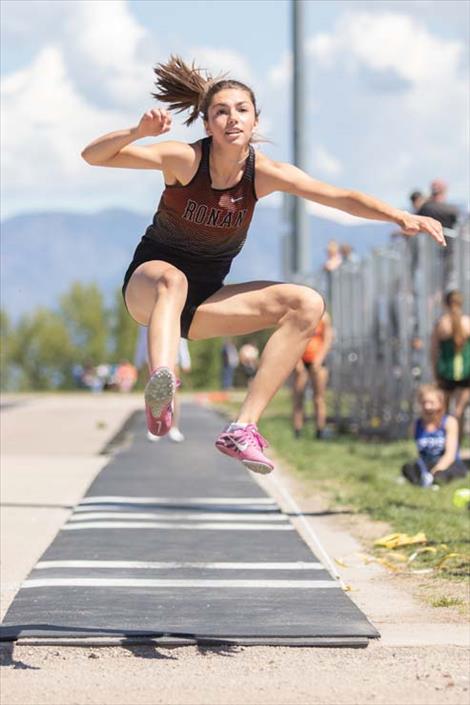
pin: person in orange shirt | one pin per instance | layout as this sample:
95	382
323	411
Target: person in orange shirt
311	368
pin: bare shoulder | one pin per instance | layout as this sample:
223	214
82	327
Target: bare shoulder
271	175
180	160
265	166
172	149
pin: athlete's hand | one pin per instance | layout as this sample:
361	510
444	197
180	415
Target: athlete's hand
154	122
413	224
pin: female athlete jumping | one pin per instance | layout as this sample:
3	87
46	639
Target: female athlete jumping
175	282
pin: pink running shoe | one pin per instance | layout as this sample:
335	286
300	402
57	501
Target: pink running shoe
245	444
159	394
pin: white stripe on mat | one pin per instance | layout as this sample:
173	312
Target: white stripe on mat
267	510
136	582
172	516
153	565
220	526
180	500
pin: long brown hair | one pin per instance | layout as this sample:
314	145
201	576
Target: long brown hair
190	88
454	301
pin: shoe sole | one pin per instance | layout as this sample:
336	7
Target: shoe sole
159	391
253	465
260	468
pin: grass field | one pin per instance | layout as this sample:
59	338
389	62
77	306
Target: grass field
365	477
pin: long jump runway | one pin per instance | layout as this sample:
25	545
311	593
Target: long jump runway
177	544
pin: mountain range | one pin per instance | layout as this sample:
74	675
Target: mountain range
42	254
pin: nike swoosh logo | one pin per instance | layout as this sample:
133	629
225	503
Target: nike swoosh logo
240	446
234	200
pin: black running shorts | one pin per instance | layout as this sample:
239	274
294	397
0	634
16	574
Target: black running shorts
204	277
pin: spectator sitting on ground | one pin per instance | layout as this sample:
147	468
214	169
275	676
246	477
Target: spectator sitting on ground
436	436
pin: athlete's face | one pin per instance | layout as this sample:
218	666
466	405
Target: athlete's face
231	117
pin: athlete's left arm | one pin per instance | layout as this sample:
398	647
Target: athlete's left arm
278	176
452	442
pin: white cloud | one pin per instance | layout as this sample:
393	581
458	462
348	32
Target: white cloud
108	55
46	122
326	163
90	80
391	41
280	74
390	100
221	61
386	101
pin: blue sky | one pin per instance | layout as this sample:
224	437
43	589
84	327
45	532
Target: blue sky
387	91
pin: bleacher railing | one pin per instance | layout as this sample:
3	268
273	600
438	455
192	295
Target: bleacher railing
383	309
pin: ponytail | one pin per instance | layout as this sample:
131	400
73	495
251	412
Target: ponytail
454	302
181	86
189	88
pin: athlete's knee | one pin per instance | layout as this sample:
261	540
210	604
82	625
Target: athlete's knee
173	281
306	306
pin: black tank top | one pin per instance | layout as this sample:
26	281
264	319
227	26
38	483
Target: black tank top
202	223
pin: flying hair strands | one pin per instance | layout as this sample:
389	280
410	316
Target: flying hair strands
183	87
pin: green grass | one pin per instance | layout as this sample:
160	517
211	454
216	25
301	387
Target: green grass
366	477
447	602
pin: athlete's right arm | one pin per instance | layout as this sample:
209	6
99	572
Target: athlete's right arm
116	149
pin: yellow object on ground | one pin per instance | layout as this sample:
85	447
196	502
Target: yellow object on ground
397	539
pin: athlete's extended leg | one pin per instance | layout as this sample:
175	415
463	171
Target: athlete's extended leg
237	309
155	297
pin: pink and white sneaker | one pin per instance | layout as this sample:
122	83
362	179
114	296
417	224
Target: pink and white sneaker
159	394
245	444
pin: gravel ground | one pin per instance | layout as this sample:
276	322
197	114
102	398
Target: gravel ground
249	675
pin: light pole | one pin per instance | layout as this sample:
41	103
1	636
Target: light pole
300	236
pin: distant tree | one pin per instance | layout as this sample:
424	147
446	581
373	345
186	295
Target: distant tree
206	360
83	312
41	351
5	350
123	331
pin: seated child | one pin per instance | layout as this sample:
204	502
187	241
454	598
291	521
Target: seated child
436	436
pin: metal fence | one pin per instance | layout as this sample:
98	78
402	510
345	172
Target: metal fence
383	309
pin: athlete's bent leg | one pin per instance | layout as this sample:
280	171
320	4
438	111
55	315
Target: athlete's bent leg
245	308
155	297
